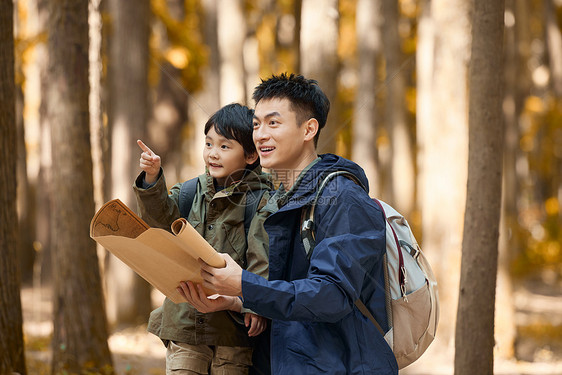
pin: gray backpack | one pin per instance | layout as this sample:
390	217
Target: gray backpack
412	302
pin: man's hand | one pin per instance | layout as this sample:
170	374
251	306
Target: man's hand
226	281
256	323
195	295
149	162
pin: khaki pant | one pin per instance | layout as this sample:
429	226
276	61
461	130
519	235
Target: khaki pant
185	359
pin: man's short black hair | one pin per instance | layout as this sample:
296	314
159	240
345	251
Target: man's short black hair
235	121
306	97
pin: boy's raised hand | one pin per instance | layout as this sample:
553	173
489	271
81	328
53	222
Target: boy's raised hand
149	162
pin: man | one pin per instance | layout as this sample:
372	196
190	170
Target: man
316	327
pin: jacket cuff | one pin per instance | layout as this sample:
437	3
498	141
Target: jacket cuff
251	284
141	183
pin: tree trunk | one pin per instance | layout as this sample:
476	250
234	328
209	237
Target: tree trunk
523	45
319	59
231	36
97	129
80	328
167	120
42	176
99	134
251	66
369	44
474	339
170	101
285	55
554	44
128	295
42	271
12	357
297	6
402	168
424	81
29	158
207	100
505	329
26	205
443	146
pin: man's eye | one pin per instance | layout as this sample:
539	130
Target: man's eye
256	125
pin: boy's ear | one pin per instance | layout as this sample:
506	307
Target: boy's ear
311	129
251	159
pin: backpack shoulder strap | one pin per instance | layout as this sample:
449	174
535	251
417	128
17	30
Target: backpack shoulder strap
253	199
187	195
307	217
309	240
361	306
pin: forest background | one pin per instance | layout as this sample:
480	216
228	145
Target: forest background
92	77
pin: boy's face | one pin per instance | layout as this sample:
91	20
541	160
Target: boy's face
224	158
280	141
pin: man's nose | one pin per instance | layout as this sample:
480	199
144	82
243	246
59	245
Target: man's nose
260	134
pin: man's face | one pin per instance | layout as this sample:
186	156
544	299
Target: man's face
278	138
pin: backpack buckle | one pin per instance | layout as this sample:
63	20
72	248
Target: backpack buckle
306	225
413	251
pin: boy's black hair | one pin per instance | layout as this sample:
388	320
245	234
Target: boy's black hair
234	121
306	97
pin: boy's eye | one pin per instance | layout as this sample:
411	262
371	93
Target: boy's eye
225	147
256	125
207	144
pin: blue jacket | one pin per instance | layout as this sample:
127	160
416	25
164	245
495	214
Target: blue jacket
316	327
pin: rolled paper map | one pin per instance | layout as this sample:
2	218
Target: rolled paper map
160	257
185	232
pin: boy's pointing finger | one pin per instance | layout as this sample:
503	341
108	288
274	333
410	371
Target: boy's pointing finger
144	147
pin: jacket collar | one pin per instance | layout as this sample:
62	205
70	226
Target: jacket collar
253	179
305	189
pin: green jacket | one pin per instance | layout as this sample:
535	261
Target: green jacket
219	218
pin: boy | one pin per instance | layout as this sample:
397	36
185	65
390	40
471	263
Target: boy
316	327
202	343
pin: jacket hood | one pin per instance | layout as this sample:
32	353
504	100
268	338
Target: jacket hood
253	179
306	188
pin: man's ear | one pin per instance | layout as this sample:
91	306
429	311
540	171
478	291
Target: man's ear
251	159
311	129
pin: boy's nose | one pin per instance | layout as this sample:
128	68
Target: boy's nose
213	153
